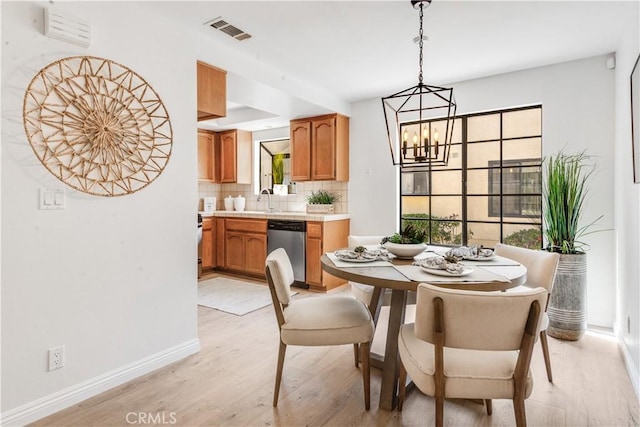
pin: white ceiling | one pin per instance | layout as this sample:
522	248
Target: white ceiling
357	50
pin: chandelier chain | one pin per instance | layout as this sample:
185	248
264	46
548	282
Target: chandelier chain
420	41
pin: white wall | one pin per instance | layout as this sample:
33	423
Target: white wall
111	279
114	279
627	205
578	113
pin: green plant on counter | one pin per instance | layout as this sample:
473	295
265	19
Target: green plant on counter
322	197
277	168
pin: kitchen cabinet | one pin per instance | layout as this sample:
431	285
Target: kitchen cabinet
219	243
224	157
208	243
324	237
212	91
235	156
245	245
320	148
300	143
207	156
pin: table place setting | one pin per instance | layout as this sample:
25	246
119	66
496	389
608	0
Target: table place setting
418	273
359	256
433	268
478	256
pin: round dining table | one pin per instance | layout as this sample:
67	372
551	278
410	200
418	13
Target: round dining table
389	276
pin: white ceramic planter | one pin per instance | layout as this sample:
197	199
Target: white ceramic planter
405	250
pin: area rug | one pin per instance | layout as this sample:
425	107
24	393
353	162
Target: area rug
233	296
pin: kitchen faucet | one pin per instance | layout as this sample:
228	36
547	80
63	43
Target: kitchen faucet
269	208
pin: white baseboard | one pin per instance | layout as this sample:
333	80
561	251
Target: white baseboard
69	396
632	371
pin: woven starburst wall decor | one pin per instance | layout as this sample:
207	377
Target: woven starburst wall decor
97	126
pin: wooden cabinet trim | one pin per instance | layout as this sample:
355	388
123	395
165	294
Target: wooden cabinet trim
247	225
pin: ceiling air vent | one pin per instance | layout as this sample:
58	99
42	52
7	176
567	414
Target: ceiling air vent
220	24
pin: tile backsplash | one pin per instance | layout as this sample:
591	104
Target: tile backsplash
289	203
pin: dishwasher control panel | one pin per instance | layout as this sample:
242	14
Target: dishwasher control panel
278	224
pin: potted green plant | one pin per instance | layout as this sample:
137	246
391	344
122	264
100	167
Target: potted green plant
408	243
564	193
321	201
277	168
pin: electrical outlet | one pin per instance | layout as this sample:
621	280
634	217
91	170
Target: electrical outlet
56	358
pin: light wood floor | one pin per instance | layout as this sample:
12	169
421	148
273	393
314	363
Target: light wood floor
230	382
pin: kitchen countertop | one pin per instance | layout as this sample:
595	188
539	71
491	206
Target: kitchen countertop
300	216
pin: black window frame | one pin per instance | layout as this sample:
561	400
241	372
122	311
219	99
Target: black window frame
502	220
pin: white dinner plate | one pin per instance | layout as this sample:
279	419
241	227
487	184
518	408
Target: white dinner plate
357	260
480	258
440	272
348	256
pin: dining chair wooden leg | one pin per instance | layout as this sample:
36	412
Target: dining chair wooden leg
366	373
356	353
402	384
545	353
489	406
521	416
440	410
281	353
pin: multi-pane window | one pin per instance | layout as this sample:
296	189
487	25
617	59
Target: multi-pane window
490	190
521	179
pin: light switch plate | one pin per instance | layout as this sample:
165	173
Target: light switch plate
52	199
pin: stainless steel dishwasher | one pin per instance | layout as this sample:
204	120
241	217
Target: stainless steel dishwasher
291	236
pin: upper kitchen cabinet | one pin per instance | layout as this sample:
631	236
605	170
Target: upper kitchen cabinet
224	157
320	148
235	156
212	92
207	156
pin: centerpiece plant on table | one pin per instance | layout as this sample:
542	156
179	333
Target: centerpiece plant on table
408	243
408	235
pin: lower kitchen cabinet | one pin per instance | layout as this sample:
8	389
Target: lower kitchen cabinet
219	243
208	243
324	237
255	253
240	245
234	250
245	245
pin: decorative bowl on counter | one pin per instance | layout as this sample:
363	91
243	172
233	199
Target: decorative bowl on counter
405	250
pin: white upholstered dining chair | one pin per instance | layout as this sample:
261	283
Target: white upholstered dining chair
541	272
471	345
317	321
360	290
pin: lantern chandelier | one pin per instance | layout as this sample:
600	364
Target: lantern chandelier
420	119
